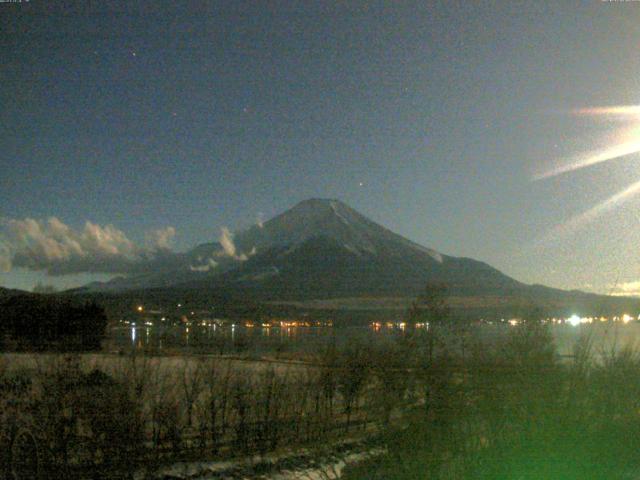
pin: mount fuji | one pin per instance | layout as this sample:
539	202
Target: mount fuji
323	250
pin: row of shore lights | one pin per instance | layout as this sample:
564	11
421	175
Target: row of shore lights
575	320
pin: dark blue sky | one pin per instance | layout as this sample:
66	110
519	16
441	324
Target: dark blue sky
429	117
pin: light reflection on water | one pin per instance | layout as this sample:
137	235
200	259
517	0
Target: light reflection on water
603	336
220	339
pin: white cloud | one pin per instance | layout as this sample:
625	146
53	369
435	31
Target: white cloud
58	249
210	264
226	240
161	239
228	246
627	289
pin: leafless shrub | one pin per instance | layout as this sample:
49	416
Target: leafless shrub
192	383
392	378
328	377
215	406
89	419
352	373
240	395
268	398
169	426
161	404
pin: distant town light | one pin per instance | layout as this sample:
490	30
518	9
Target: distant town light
574	320
140	308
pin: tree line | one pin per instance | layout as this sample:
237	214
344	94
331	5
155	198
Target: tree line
38	322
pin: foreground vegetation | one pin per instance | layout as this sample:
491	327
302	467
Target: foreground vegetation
512	410
443	403
42	322
66	417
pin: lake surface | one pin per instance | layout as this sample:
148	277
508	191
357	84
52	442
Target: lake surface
603	336
227	339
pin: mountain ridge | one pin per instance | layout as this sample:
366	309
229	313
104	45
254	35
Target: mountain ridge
322	249
363	249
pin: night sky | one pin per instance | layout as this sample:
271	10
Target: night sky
441	121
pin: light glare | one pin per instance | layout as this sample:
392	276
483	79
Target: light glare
574	320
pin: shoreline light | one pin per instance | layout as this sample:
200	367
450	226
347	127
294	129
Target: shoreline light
574	320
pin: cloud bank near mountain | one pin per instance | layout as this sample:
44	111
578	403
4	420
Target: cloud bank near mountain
229	247
53	247
58	249
627	289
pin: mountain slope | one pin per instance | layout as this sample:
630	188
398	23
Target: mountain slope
169	270
322	268
7	292
324	249
331	219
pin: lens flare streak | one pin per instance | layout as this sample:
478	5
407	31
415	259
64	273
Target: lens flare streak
617	110
604	155
625	142
579	220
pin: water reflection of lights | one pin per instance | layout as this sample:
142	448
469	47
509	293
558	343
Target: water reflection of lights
378	326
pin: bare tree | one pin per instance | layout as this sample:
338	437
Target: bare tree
352	374
431	309
191	381
240	391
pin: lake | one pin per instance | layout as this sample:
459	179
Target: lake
229	339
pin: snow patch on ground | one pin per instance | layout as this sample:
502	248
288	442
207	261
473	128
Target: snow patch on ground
326	471
303	465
